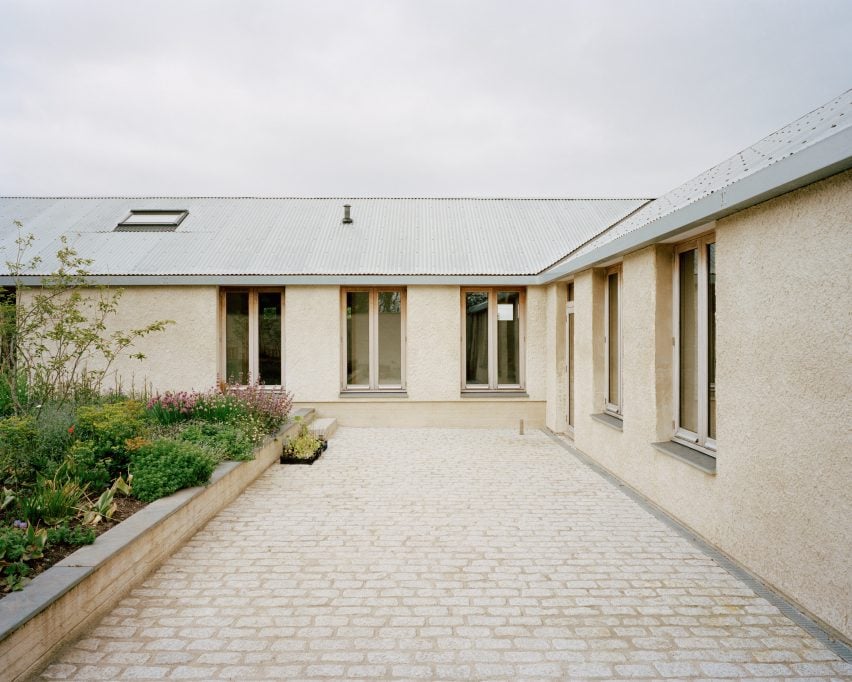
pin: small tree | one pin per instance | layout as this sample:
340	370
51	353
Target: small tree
54	341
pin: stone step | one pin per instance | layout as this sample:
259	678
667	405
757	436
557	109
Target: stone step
307	414
325	427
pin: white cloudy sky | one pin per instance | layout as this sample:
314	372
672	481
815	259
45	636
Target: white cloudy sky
402	97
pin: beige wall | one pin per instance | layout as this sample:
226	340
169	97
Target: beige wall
312	342
556	368
780	502
184	355
433	362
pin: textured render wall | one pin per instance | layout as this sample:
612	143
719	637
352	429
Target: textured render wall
785	393
434	342
780	502
536	346
312	342
433	363
556	359
185	355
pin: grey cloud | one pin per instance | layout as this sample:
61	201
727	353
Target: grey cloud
546	98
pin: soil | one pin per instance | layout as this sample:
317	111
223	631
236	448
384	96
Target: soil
127	506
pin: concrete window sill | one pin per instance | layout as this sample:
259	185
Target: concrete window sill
373	394
692	457
495	394
609	420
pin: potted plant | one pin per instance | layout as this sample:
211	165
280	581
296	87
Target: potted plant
305	448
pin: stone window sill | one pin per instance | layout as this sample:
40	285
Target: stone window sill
609	420
694	458
495	394
374	394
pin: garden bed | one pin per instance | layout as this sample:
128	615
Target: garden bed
65	599
53	554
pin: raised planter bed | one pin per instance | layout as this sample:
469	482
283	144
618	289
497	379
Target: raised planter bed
67	598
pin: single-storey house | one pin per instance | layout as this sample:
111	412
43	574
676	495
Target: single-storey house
697	345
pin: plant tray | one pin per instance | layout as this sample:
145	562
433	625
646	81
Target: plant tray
287	459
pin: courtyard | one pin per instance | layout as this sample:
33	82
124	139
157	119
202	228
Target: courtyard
443	554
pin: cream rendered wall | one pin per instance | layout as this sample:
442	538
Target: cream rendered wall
433	363
556	359
434	342
785	393
312	342
184	356
781	500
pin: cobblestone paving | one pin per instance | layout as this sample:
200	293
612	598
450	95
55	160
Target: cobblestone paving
442	555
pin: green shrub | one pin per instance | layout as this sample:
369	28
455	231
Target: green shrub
17	547
55	427
165	466
14	390
17	438
67	535
51	501
109	427
84	465
223	441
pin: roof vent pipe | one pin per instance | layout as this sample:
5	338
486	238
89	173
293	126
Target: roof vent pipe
346	218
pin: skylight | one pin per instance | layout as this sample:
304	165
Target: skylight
151	220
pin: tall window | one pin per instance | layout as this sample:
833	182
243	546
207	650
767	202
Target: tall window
612	341
253	334
493	339
569	353
374	348
695	342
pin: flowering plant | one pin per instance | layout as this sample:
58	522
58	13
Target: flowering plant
172	407
257	409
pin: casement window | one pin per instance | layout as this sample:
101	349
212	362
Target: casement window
569	353
612	342
373	339
252	336
695	342
493	339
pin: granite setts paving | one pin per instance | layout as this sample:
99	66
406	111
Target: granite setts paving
432	554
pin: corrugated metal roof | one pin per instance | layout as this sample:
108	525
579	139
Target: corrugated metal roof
305	236
812	128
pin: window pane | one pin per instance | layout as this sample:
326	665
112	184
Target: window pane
269	337
508	337
476	309
570	291
711	340
358	338
688	313
613	340
390	338
571	369
236	336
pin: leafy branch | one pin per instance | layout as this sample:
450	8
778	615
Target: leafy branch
54	338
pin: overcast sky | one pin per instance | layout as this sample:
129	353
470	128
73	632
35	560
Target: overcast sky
402	97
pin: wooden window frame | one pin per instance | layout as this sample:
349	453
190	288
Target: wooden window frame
374	385
699	440
614	409
493	385
253	340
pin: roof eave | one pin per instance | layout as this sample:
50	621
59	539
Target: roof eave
284	280
819	161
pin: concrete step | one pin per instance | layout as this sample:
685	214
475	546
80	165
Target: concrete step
325	427
307	414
